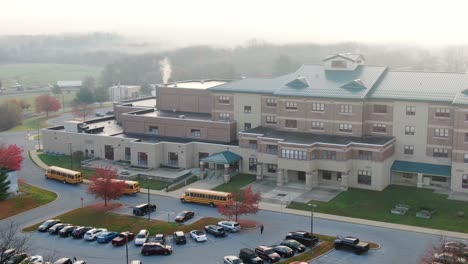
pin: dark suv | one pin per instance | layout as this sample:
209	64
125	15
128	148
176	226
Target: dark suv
179	237
248	256
215	230
267	253
303	237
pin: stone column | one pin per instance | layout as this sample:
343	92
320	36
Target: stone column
226	175
279	177
259	171
286	176
420	180
308	181
344	180
314	179
202	170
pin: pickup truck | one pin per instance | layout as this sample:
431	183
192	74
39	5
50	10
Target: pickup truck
303	237
351	243
122	238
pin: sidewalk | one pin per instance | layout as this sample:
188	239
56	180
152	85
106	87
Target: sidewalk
281	208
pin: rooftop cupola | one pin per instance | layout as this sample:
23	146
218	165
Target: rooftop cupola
343	62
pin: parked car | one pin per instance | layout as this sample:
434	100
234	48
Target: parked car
267	253
184	216
232	260
67	230
155	249
56	228
304	237
17	258
63	261
106	237
141	237
144	209
98	114
79	232
230	226
36	259
47	224
215	230
448	258
248	256
92	234
79	262
179	237
136	262
457	244
7	254
159	238
351	243
283	251
123	238
294	245
198	235
110	113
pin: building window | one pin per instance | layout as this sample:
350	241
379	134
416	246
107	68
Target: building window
289	123
173	158
409	130
247	109
465	181
270	120
326	175
142	158
379	128
408	175
408	149
253	144
347	128
364	177
438	179
338	64
442	112
346	108
466	137
365	155
440	153
318	107
195	133
247	126
272	149
224	116
154	130
328	154
128	153
410	110
380	109
293	154
272	168
271	102
465	158
253	164
109	152
290	105
317	125
223	99
441	132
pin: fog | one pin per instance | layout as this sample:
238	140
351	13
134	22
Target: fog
218	22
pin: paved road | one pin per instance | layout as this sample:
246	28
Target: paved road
397	246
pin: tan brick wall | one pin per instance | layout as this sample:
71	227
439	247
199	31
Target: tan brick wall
184	100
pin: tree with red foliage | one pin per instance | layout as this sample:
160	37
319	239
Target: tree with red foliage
445	251
242	202
82	110
11	157
104	184
47	103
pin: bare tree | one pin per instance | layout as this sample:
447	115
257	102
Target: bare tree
444	251
11	237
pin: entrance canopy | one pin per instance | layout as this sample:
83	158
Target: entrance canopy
225	157
424	168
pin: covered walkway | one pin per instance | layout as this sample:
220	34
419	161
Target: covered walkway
229	161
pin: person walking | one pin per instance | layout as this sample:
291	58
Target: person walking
261	229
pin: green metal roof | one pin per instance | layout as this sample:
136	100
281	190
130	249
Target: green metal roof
225	157
424	168
254	85
333	83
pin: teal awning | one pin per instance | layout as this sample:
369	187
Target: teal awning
424	168
225	157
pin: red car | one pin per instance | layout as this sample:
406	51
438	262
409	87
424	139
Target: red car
155	249
123	238
184	216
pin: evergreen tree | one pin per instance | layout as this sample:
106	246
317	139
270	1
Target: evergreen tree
4	185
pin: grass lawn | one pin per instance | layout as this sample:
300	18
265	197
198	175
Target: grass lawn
64	162
375	205
32	197
153	184
182	184
30	124
236	183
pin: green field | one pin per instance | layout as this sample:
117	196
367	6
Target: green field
236	183
39	74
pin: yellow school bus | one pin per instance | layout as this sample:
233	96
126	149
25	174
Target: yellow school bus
212	198
64	175
132	187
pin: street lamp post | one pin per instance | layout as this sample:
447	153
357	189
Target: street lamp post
147	186
126	246
312	206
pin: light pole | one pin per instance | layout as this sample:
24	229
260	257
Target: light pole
126	246
147	186
312	206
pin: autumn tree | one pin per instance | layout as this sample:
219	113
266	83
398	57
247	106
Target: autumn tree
11	157
243	202
46	103
20	102
82	110
10	115
104	185
451	252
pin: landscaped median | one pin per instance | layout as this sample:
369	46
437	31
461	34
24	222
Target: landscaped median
29	197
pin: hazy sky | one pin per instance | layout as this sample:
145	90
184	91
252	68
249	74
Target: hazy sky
430	22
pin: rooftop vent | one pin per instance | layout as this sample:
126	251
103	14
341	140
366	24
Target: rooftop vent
298	83
182	116
354	85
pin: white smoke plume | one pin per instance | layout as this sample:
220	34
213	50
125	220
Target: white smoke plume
165	69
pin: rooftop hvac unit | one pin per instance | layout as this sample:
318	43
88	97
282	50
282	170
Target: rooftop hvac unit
182	116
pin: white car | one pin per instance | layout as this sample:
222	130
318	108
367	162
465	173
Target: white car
141	237
198	235
93	233
232	260
34	260
230	226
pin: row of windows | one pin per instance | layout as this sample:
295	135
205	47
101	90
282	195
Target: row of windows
206	196
63	174
293	154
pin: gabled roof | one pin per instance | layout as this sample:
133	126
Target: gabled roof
424	168
347	56
225	157
254	85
